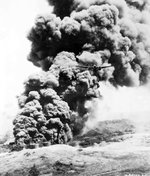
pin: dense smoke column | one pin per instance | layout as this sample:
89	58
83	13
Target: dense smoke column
43	116
53	102
122	27
62	7
93	32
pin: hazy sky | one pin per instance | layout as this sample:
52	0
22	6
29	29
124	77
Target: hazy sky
16	18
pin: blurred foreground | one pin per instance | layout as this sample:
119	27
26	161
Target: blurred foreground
93	154
115	159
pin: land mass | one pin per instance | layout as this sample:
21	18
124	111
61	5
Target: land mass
131	156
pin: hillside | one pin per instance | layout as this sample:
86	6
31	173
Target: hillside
131	156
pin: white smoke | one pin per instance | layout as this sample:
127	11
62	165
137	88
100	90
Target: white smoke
121	103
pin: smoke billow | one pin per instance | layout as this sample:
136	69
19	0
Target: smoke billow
79	33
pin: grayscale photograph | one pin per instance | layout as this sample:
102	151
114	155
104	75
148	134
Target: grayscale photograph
75	88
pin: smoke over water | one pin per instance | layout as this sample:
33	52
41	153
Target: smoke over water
67	95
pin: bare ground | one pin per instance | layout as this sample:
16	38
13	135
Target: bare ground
129	157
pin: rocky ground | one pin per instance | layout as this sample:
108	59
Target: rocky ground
113	149
131	156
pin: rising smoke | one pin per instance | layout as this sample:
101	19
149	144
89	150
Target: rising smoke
54	106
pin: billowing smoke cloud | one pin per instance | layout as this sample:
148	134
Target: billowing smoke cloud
53	102
95	26
80	33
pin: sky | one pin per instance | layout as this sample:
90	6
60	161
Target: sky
16	19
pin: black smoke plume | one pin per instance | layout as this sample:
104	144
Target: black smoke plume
80	33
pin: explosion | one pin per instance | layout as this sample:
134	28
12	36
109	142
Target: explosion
80	33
